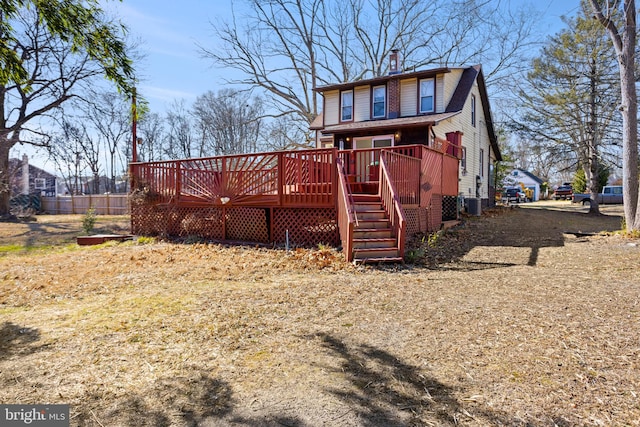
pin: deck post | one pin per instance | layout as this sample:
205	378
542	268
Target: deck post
334	176
281	167
178	181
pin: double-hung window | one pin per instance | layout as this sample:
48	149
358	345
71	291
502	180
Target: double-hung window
427	90
347	106
379	102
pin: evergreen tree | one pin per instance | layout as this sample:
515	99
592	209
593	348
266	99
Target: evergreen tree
570	99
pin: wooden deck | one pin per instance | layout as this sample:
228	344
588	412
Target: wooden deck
267	197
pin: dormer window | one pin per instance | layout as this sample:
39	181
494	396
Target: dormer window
346	106
427	87
379	102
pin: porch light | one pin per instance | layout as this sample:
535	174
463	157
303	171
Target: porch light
224	200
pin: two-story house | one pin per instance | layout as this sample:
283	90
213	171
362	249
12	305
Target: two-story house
418	107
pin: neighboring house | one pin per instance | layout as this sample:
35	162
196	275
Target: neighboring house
405	108
29	179
519	176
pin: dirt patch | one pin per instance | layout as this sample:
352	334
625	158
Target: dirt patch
509	319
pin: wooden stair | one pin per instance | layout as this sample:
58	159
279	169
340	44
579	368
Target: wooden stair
373	240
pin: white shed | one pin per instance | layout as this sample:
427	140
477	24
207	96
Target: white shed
529	180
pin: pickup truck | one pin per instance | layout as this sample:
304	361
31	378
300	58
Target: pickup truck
513	194
611	194
563	192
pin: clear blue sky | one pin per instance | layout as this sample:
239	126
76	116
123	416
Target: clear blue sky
169	31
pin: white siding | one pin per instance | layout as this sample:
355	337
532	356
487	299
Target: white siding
473	139
362	103
408	97
440	94
331	107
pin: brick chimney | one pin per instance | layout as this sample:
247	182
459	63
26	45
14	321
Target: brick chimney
393	86
394	62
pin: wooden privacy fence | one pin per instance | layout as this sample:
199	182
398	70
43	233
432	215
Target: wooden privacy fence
104	204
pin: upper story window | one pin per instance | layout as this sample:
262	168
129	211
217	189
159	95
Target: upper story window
379	101
473	110
40	183
346	106
427	90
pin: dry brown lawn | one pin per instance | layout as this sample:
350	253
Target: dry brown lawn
509	319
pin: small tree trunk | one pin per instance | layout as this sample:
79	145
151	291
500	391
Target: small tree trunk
5	185
630	143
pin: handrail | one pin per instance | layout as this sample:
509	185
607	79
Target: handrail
347	219
391	203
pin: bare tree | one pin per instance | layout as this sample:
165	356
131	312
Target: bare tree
53	49
283	133
109	116
287	47
229	122
66	152
623	35
180	137
151	134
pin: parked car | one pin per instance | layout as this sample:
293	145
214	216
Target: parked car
564	192
611	194
513	194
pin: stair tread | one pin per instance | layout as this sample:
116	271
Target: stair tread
377	259
374	239
374	249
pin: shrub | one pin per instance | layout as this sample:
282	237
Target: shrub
89	220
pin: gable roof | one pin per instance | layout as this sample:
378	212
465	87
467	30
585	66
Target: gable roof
461	94
530	175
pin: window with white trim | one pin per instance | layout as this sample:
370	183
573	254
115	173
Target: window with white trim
346	106
379	102
463	159
40	183
427	91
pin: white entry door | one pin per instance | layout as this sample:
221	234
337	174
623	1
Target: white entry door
365	160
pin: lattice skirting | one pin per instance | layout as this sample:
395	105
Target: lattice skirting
449	208
434	220
238	224
306	227
423	219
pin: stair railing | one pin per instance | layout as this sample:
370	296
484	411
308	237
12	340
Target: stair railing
391	202
347	219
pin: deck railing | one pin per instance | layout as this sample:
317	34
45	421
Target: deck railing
404	172
285	178
391	200
363	165
347	219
